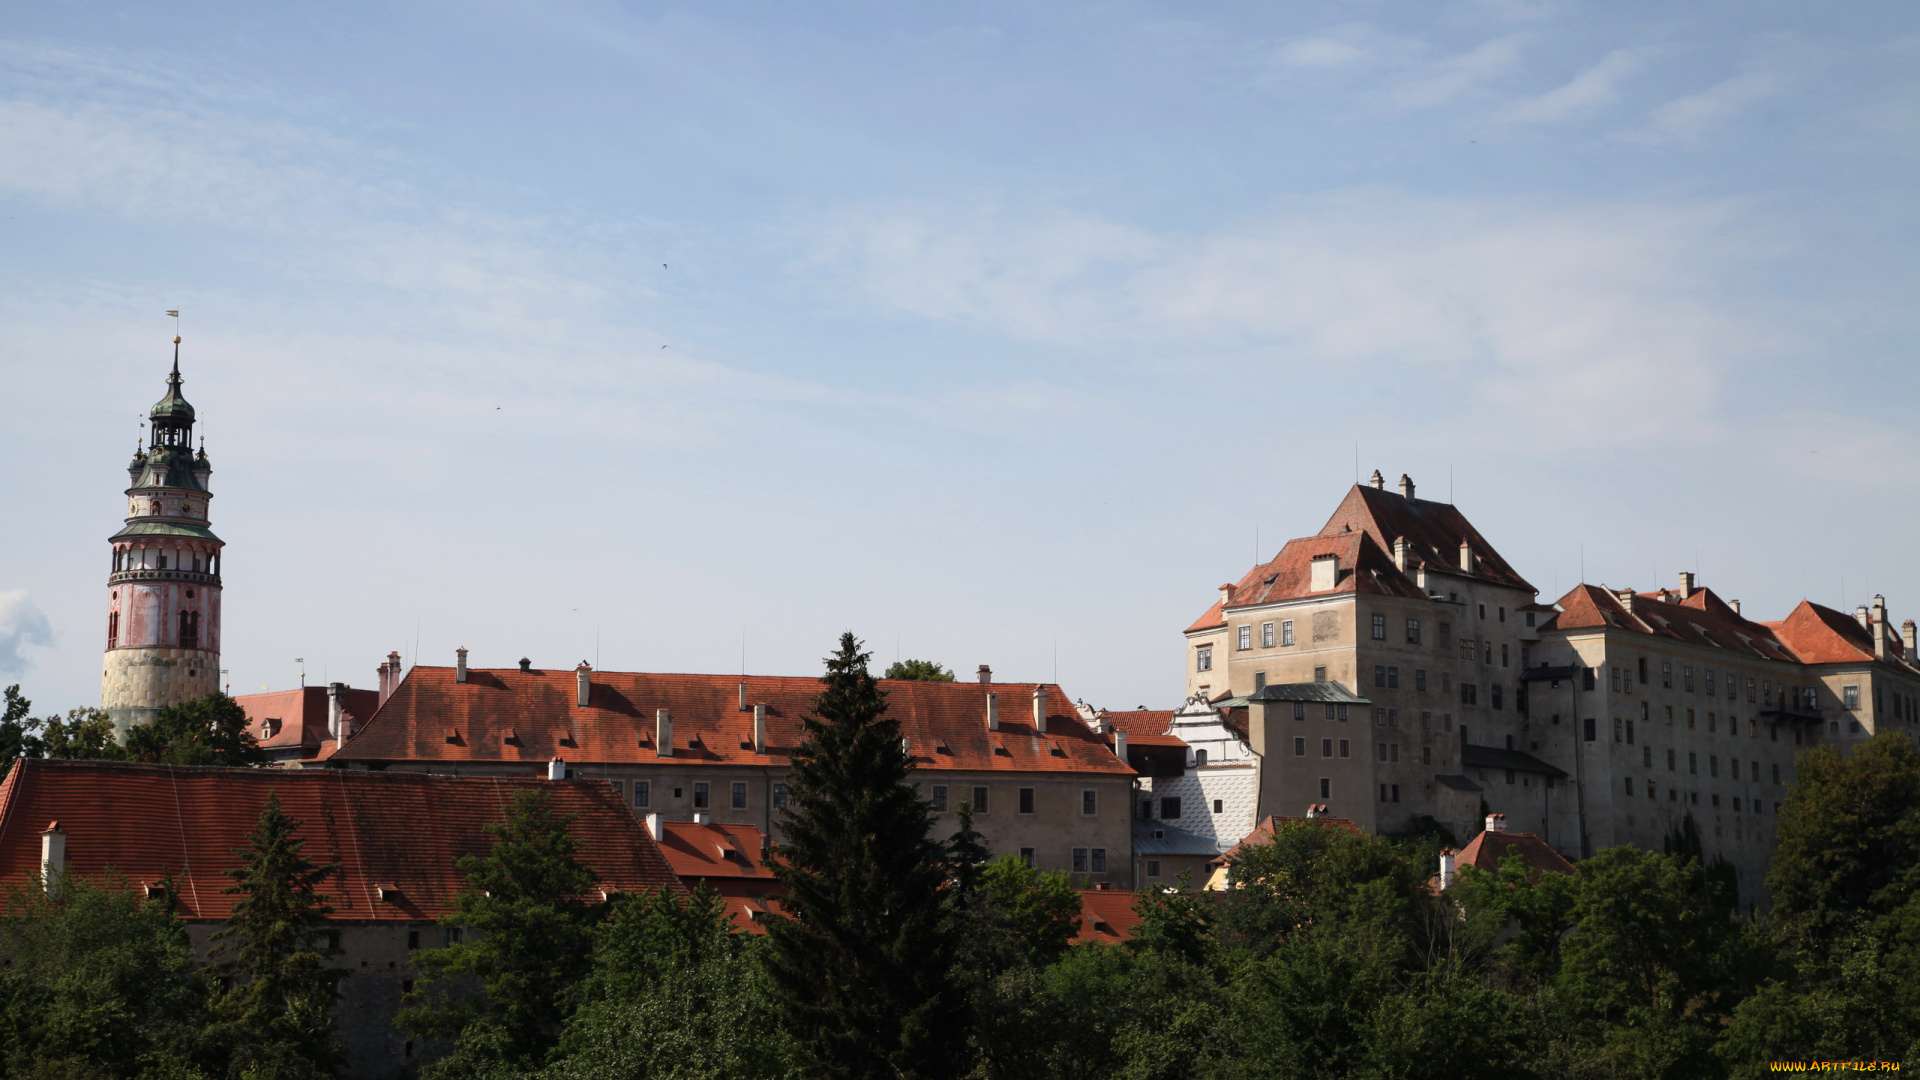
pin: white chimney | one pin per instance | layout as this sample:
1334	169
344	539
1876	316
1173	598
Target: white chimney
1377	481
582	684
1466	556
700	817
1400	548
663	733
743	695
1040	708
1446	867
53	857
1496	823
993	711
1324	574
1735	605
1120	744
1686	584
1881	646
986	674
1406	486
759	729
1226	596
1907	637
556	769
460	664
1861	616
653	827
334	723
1313	810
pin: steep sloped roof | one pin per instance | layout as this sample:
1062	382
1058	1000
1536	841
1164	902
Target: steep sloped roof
717	850
393	833
1106	916
1486	850
532	717
301	715
1434	531
1821	635
1700	619
1145	727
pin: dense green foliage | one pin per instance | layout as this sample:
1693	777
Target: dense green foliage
83	733
918	670
860	964
205	731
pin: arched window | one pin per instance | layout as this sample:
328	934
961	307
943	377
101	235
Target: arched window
113	629
155	508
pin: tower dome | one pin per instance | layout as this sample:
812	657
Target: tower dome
163	591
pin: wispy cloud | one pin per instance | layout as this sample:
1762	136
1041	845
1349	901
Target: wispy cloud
21	625
1585	94
1697	115
1451	78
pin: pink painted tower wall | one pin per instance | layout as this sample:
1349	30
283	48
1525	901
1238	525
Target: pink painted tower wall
163	592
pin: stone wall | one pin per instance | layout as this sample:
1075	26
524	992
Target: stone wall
136	683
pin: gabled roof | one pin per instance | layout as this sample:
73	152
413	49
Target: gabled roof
530	717
1821	635
1209	620
715	851
301	716
1364	567
1434	531
1145	727
1486	850
399	829
1701	619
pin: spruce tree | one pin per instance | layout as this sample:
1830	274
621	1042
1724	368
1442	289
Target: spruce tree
860	963
277	1015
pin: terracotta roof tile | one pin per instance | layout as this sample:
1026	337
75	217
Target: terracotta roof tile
1433	531
1701	619
1821	635
1263	833
1210	619
301	715
1146	727
531	718
715	851
1486	850
1106	916
385	828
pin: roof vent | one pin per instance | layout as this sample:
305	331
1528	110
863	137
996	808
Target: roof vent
526	666
388	892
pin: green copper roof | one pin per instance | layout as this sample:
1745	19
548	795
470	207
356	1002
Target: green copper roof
165	528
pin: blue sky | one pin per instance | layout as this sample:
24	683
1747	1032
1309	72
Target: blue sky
996	333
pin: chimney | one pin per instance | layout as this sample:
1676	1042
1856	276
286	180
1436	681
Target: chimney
1406	486
556	769
1314	810
459	663
1686	584
1400	547
700	817
1735	605
1466	556
1908	639
663	733
334	722
1226	595
653	827
1496	823
1881	647
1861	616
743	695
1625	596
53	857
1120	744
582	684
1325	573
759	729
1377	481
1446	867
993	711
1039	708
986	674
526	666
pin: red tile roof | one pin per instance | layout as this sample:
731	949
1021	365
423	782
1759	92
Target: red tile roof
1209	620
1821	635
1433	531
715	852
301	715
1486	850
531	718
1263	833
384	828
1106	916
1145	727
1700	619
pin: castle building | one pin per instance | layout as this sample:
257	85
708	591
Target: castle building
163	592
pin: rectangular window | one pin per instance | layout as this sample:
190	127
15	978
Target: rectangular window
1413	631
1643	671
1266	635
779	795
1589	729
1713	722
1686	678
1850	698
1299	747
1646	757
1286	631
1026	800
1170	807
1689	719
1379	717
1693	763
1079	860
1153	867
1426	721
1099	860
939	798
979	800
1089	801
1709	679
1219	806
1614	678
1446	634
1380	751
1749	691
1446	682
1619	734
1326	747
1629	784
1246	638
1393	753
1379	627
1496	695
1469	694
1735	763
700	795
1379	674
1326	788
1776	773
1027	856
1503	659
1393	717
1666	674
1299	710
643	793
1320	674
1343	747
1259	681
1420	679
1713	765
1203	658
1426	755
1393	677
739	796
1586	678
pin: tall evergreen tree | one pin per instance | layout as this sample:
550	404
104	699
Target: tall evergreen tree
530	942
277	1015
861	961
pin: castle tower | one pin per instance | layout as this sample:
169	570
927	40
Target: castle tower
163	595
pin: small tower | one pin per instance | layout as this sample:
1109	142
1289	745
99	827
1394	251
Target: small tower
163	593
